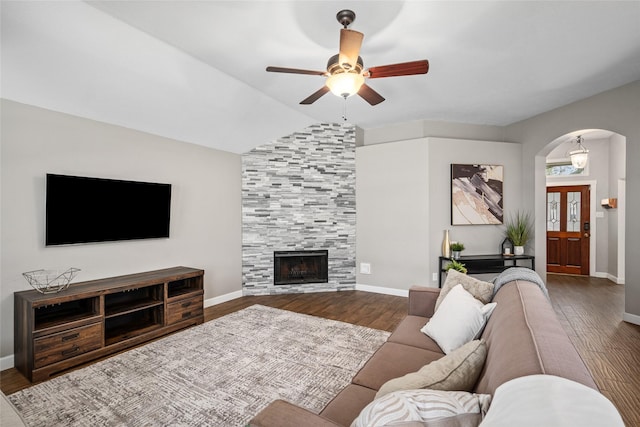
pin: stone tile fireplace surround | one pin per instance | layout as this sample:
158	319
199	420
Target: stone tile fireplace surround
298	194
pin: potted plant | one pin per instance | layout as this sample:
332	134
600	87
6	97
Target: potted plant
518	230
456	248
456	265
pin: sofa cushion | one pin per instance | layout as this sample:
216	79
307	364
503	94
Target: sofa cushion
408	333
347	404
547	400
284	414
392	360
524	337
481	290
459	319
420	405
457	371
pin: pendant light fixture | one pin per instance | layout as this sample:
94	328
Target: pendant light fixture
580	156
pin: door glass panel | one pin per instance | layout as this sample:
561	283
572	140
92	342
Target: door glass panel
553	211
573	211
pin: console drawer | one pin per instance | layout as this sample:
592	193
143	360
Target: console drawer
184	309
54	348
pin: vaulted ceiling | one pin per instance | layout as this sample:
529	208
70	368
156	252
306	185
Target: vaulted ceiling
195	70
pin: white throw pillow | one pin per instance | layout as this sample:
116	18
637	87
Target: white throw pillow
550	401
459	319
421	406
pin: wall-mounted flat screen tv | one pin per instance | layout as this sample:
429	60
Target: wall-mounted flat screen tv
87	210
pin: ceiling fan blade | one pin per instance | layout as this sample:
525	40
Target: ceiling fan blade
295	71
350	42
315	96
403	69
370	95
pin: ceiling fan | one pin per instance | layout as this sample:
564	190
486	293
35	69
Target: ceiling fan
345	71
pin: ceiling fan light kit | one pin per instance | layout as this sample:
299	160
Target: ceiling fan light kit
344	79
345	84
345	75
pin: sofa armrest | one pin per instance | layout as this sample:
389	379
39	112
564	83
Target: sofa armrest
422	300
284	414
9	416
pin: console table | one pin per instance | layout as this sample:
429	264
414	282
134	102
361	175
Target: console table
478	264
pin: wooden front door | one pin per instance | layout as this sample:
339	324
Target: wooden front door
568	229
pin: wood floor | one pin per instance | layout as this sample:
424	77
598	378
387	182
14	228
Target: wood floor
589	309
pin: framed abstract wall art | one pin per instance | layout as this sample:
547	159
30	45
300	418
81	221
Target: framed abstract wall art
476	194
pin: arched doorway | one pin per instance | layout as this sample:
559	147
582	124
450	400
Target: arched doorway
603	227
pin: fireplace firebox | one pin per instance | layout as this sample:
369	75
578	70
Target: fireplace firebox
296	267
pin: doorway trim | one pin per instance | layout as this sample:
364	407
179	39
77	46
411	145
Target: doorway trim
594	221
622	201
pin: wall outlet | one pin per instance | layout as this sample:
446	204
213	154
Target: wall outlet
434	277
365	268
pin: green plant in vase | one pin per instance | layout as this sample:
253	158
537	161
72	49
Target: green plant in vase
456	265
518	230
456	248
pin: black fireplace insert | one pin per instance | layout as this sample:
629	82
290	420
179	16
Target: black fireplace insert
296	267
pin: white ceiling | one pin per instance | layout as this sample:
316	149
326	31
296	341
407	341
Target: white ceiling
195	70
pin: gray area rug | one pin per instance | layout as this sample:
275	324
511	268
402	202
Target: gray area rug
220	373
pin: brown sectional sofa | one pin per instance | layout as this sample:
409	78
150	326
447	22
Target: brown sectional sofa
523	335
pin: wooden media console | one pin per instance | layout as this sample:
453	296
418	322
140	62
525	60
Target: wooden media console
89	320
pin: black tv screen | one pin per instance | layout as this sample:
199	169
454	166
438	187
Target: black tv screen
86	210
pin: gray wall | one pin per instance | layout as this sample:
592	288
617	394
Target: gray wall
430	128
206	206
404	196
392	226
617	110
478	239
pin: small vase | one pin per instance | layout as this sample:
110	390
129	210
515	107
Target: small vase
518	250
446	251
455	254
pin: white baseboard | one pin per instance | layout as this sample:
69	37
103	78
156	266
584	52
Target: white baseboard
614	279
381	290
631	318
7	362
222	298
